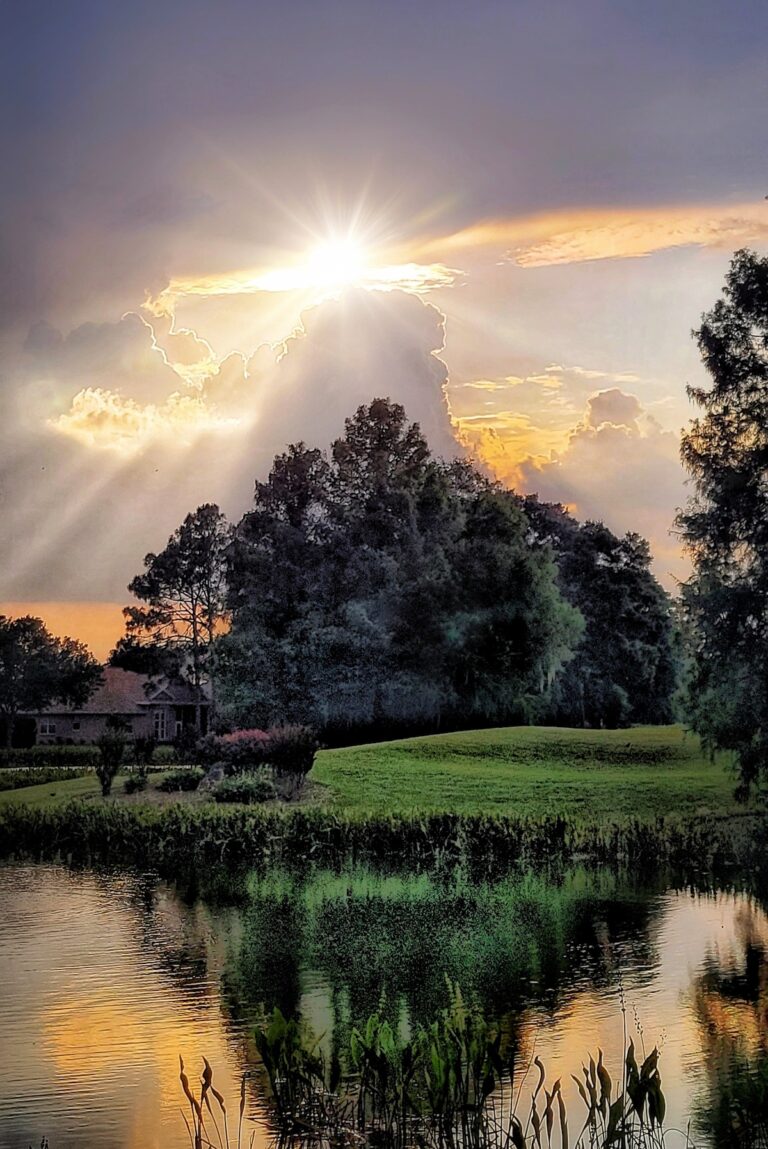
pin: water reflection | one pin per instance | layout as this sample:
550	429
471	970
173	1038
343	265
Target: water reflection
730	998
107	978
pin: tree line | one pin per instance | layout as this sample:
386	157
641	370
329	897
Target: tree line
375	590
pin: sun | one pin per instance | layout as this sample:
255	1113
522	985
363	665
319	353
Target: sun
336	263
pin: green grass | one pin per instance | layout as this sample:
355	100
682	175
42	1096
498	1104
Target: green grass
534	772
528	772
87	788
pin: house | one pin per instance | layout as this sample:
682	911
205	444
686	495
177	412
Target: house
158	707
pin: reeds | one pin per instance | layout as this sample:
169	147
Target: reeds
177	838
203	1123
450	1084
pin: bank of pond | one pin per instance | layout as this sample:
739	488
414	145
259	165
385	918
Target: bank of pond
110	974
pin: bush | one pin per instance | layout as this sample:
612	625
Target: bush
244	750
37	775
185	779
144	750
185	746
51	757
111	747
245	788
135	783
292	750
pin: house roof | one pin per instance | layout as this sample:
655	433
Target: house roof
125	692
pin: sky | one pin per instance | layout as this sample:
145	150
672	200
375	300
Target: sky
228	224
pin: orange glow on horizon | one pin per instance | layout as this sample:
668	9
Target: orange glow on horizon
98	624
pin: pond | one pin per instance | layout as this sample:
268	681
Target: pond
107	977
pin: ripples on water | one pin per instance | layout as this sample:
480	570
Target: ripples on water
106	979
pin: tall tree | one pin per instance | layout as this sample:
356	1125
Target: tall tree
383	589
184	588
725	524
625	668
38	669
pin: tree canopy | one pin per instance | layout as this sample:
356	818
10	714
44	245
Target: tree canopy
37	669
725	524
379	588
625	667
183	588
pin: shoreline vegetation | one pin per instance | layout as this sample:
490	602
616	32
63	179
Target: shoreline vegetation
515	796
457	1080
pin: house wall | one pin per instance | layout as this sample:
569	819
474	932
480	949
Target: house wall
86	728
77	729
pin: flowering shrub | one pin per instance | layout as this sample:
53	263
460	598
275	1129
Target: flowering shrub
288	750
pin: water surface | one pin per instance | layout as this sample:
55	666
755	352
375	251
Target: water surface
107	978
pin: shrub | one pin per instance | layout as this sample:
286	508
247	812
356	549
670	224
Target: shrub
144	750
292	750
185	746
185	779
245	788
135	783
37	775
51	757
244	750
111	747
209	750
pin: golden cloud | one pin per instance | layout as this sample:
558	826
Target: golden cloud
105	419
304	279
574	236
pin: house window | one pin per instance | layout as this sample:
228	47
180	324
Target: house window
160	726
47	726
75	723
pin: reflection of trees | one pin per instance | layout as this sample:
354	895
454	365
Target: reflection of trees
511	944
731	1007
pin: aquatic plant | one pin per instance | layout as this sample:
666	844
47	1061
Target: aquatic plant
451	1083
200	1129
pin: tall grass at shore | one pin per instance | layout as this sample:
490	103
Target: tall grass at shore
175	838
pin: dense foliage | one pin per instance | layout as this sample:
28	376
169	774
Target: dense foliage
178	839
725	525
245	788
37	669
383	589
624	669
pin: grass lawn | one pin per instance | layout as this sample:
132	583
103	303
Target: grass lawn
534	771
587	775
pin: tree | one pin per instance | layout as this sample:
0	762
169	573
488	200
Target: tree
38	669
385	590
184	589
149	658
625	667
725	524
